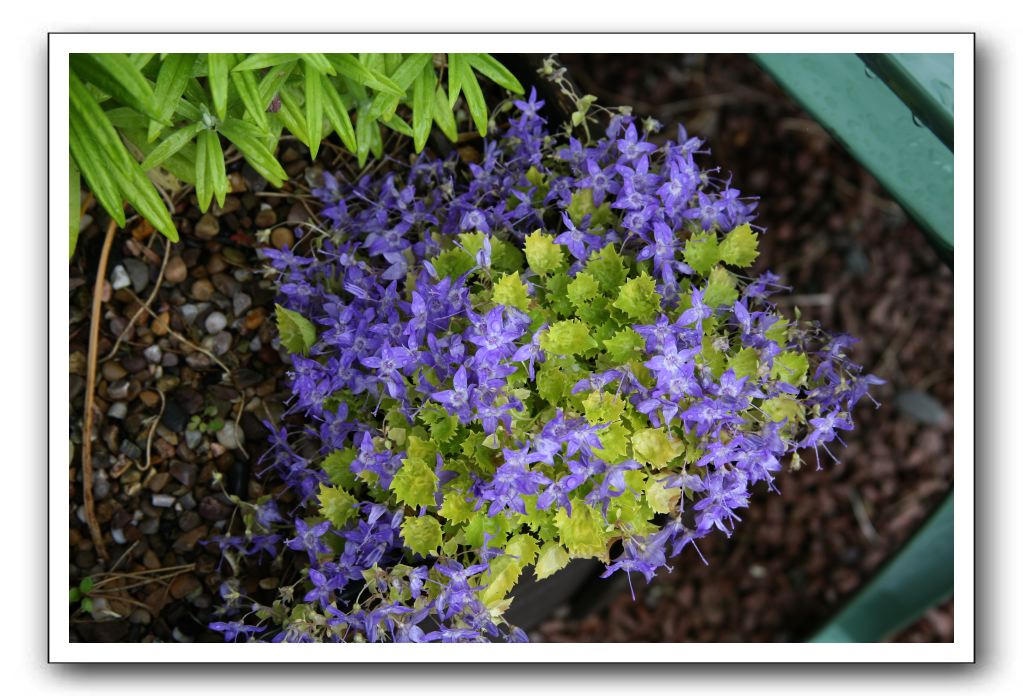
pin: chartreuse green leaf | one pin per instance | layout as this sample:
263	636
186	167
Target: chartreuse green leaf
790	367
422	534
601	407
552	558
175	71
511	291
297	333
542	254
659	497
415	484
656	447
740	246
337	505
583	532
337	466
701	252
608	268
570	337
744	363
504	572
624	346
614	443
582	289
721	288
456	508
639	299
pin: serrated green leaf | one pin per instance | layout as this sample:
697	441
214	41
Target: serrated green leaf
740	247
457	506
744	363
510	291
608	268
297	333
656	447
601	407
337	505
639	299
582	289
569	337
790	367
614	443
415	484
422	534
542	254
624	345
552	558
701	252
249	141
583	532
721	288
658	497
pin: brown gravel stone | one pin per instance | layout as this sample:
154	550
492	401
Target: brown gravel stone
176	270
187	541
202	290
183	585
282	237
207	227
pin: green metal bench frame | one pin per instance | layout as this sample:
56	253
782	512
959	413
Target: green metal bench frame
894	114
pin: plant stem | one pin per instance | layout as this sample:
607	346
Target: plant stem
90	394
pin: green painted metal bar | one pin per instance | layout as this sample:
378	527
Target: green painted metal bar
923	82
870	120
918	578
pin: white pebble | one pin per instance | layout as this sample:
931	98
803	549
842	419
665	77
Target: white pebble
215	322
153	354
119	278
162	500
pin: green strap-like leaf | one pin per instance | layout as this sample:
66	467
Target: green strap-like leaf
171	81
395	123
143	196
203	174
170	145
274	79
422	105
116	75
219	69
292	117
475	101
319	63
97	169
485	64
456	69
348	65
364	127
404	75
313	108
257	61
74	208
337	114
248	90
249	140
443	116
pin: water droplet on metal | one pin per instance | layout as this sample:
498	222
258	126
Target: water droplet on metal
869	73
917	122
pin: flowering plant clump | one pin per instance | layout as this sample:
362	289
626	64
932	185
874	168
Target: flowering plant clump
541	356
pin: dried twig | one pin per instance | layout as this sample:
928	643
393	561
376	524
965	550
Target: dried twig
90	394
152	429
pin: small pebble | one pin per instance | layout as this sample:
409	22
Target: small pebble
117	410
161	325
100	485
230	436
150	525
162	500
266	216
119	389
282	237
169	360
202	290
215	322
241	303
113	371
118	536
189	312
149	398
157	483
207	227
192	439
119	278
176	270
255	318
139	274
221	343
153	354
216	264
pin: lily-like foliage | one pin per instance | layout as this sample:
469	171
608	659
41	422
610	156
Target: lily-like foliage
539	356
